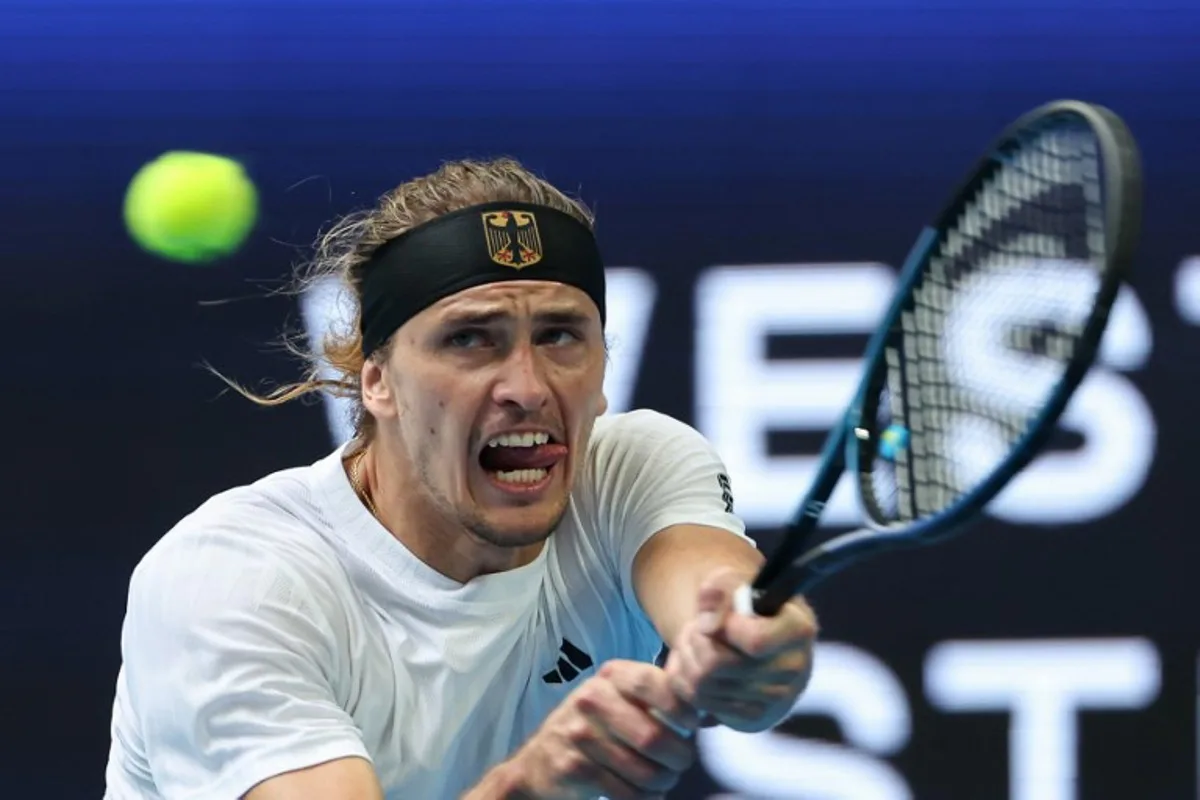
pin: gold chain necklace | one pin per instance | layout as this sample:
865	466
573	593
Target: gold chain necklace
360	488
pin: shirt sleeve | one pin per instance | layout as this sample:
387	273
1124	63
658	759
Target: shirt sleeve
652	472
229	651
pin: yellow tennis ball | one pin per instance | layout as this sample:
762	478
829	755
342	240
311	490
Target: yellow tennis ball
191	207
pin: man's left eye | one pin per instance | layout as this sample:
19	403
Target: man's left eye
560	336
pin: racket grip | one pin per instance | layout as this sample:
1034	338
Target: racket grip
743	601
752	602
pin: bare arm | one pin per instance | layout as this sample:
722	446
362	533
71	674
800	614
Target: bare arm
746	672
341	779
670	568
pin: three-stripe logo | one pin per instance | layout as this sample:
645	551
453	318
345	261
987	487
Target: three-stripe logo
570	664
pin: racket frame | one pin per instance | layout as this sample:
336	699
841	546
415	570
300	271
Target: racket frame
791	570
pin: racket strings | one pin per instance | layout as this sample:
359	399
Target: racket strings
991	326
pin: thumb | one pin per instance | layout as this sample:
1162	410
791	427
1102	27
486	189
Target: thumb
715	599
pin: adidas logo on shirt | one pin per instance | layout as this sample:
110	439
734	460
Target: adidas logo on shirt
570	664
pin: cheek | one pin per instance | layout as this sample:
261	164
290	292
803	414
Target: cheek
583	405
422	414
590	393
433	424
442	422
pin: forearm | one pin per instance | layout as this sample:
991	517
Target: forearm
671	567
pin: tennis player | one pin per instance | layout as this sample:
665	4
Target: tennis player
468	599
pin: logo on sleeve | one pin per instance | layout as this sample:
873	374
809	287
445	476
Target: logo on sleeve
726	492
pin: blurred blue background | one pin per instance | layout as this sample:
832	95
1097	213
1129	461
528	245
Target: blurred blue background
1051	655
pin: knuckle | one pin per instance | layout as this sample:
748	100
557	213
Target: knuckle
572	764
805	608
589	698
805	618
642	681
684	687
798	661
612	670
648	738
577	731
635	671
757	643
641	684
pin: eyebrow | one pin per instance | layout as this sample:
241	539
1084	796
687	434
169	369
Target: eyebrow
554	316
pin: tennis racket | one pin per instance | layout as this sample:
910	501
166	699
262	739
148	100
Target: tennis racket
999	314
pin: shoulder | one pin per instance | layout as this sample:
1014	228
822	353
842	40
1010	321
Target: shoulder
244	548
643	421
644	459
638	444
239	643
647	472
642	432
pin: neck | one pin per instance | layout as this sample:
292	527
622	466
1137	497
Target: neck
426	531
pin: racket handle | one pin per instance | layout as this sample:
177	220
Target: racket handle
751	602
743	600
766	602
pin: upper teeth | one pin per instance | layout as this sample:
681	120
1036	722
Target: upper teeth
519	440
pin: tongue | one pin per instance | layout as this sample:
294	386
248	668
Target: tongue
507	459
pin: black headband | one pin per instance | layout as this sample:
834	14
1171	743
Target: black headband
481	244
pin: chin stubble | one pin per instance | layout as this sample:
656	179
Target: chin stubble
479	527
488	533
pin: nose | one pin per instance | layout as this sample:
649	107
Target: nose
522	382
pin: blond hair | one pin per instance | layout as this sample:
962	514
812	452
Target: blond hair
335	365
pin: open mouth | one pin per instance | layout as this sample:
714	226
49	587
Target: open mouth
521	460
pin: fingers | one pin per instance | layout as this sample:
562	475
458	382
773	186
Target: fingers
762	637
703	667
744	670
744	695
609	738
719	667
757	637
630	703
714	601
648	686
581	771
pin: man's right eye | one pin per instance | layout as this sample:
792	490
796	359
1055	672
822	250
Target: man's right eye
467	338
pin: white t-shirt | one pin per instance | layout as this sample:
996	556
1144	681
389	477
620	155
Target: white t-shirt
280	626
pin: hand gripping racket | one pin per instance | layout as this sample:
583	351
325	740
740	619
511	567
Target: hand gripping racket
1000	310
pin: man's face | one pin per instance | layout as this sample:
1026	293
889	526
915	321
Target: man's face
495	390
